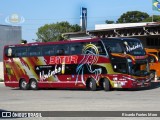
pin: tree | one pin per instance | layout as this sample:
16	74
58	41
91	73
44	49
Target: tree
132	17
53	32
109	22
156	18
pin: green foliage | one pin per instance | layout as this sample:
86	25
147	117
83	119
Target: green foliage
132	17
1	80
53	32
109	22
156	18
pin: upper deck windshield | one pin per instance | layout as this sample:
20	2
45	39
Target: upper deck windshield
126	46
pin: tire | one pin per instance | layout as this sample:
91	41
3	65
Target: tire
33	84
106	84
23	85
152	75
92	85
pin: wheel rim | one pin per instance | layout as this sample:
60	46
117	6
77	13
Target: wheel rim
152	75
33	84
104	85
90	84
23	84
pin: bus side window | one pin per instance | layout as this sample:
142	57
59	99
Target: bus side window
34	51
21	52
120	67
62	49
48	50
76	49
100	48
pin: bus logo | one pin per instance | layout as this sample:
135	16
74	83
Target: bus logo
63	59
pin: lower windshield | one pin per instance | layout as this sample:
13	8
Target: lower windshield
139	69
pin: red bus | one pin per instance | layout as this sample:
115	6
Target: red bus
75	64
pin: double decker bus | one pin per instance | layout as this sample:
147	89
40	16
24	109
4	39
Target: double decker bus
154	62
75	64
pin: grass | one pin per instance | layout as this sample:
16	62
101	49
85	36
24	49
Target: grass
1	80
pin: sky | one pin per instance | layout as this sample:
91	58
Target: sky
36	13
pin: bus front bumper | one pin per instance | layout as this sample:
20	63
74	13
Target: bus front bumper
131	84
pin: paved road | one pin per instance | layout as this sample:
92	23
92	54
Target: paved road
12	99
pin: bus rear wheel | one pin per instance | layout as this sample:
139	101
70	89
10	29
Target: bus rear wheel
91	85
106	84
33	84
23	85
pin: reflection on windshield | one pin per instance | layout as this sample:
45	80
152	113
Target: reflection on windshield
138	69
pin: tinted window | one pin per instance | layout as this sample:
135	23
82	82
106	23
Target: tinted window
115	46
48	50
62	49
76	48
34	51
119	65
133	47
16	52
95	48
21	52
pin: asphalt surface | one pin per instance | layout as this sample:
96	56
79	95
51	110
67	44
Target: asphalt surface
145	99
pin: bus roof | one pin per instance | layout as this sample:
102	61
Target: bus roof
69	41
57	42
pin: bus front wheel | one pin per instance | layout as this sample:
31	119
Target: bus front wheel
23	84
33	84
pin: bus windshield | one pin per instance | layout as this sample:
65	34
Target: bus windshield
133	47
127	46
138	69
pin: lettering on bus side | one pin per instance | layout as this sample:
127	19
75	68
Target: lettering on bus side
63	59
47	71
